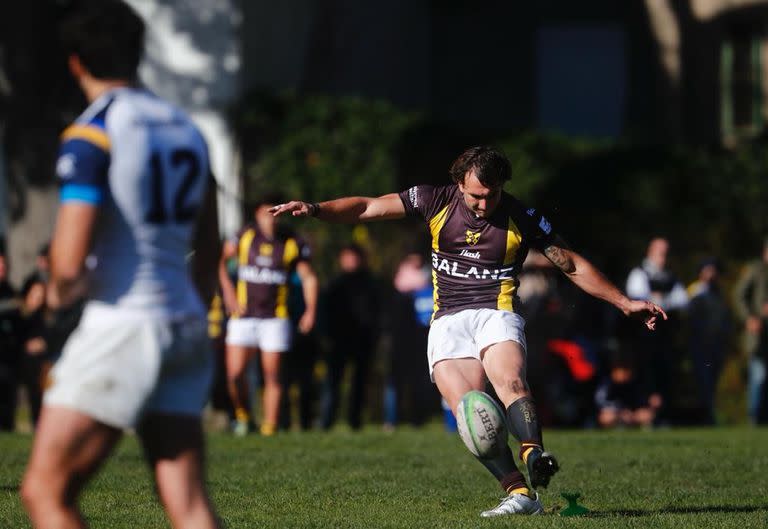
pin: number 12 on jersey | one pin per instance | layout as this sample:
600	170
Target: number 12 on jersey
184	166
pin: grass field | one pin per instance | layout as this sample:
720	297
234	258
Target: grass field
692	478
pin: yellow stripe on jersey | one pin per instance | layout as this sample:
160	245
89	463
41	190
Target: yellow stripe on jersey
507	290
290	252
243	249
436	224
90	133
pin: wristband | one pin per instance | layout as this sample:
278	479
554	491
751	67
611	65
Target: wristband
314	209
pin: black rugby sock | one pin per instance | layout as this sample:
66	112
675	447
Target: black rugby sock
506	472
524	424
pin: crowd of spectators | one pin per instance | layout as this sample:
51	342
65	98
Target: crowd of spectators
587	366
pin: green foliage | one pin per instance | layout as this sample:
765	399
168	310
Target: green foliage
606	198
609	199
317	147
425	478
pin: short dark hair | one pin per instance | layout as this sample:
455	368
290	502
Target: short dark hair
491	166
107	36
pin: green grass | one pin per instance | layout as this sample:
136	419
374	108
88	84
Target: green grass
691	478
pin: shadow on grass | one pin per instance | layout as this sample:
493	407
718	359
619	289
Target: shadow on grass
9	488
677	510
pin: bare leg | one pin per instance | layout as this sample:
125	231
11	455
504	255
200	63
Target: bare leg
174	448
69	448
504	364
456	377
237	358
273	390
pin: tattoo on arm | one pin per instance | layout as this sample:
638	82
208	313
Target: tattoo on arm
560	256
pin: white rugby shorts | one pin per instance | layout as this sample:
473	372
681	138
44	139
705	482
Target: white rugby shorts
272	335
119	364
464	334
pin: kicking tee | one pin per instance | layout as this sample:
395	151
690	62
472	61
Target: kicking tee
145	165
475	261
263	270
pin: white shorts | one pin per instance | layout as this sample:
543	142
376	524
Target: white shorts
118	364
465	334
272	335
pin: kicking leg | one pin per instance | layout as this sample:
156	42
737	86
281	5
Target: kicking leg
174	448
456	377
69	448
504	364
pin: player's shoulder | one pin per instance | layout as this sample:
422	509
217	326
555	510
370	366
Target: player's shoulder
90	126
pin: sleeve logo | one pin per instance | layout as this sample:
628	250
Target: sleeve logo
531	212
65	166
413	196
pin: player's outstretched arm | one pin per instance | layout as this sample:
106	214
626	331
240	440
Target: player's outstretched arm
593	282
349	210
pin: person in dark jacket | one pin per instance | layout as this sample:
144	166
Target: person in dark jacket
353	330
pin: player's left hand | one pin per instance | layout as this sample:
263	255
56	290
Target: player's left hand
296	208
647	311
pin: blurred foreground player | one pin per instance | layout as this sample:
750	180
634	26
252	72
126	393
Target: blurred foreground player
136	198
480	237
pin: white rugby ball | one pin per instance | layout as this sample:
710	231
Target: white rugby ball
481	424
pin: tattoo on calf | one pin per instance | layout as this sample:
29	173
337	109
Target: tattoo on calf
560	259
517	386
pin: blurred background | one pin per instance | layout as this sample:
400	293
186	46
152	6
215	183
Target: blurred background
631	125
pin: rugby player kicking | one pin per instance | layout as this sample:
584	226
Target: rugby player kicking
480	238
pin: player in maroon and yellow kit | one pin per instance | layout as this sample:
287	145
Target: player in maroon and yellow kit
480	237
258	309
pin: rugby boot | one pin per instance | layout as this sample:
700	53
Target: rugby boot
516	504
541	467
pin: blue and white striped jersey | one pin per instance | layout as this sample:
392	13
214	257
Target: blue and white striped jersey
145	165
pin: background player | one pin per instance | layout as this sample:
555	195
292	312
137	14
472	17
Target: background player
480	237
258	307
135	196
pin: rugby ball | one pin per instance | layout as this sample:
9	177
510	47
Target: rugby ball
481	424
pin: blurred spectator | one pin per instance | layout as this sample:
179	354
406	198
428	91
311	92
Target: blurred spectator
564	327
621	397
653	281
37	358
409	394
42	264
299	363
10	346
353	312
751	305
709	321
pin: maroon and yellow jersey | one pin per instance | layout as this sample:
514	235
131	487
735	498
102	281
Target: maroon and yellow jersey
475	261
263	269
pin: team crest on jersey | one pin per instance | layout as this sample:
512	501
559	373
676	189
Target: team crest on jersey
472	237
266	249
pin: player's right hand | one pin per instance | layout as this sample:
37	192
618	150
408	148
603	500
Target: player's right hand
294	207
